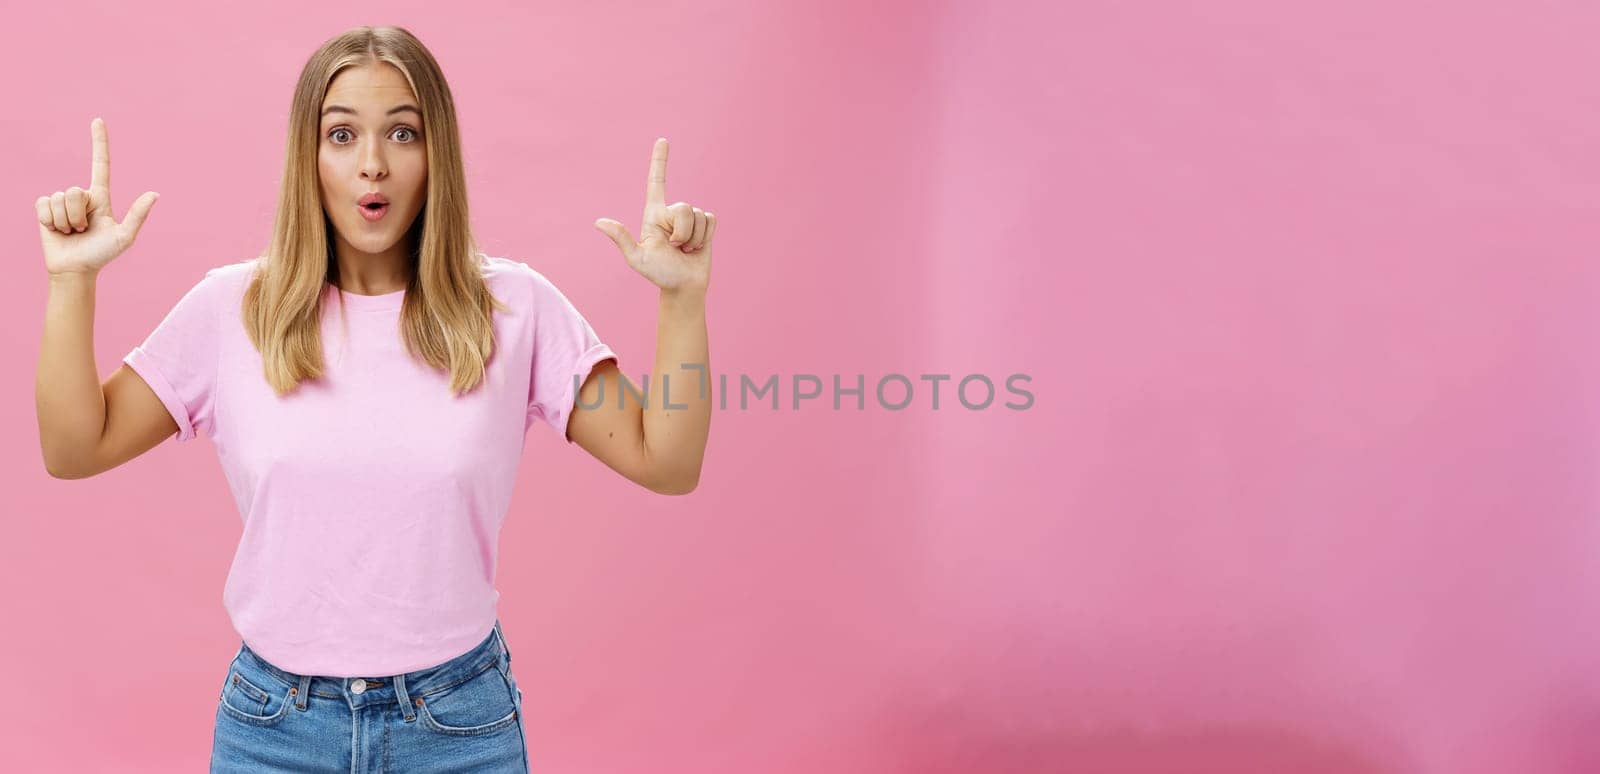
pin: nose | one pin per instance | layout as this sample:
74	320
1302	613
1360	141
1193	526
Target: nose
373	165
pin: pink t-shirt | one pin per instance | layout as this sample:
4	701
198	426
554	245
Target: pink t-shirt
372	498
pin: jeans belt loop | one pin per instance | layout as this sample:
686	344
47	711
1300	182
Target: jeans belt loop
404	698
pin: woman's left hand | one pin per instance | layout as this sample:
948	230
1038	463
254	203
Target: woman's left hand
674	248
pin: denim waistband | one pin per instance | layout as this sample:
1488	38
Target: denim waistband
490	653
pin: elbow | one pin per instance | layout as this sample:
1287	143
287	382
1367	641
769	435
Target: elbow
676	485
667	475
61	460
68	466
57	470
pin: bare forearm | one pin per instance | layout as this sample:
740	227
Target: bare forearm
675	436
67	394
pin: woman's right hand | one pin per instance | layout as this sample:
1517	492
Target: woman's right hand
79	233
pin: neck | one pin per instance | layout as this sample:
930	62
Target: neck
372	274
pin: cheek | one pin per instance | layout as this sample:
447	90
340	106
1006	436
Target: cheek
414	167
326	173
417	176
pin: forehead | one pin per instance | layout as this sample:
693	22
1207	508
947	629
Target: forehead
374	88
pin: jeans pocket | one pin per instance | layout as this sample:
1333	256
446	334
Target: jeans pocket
483	704
244	700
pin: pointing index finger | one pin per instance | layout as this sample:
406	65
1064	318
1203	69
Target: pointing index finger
655	191
100	175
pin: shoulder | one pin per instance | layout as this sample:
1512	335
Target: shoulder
219	287
525	282
238	269
230	278
499	270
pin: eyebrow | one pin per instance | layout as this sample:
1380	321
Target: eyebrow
392	111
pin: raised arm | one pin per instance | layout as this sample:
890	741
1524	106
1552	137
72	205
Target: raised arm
86	427
660	445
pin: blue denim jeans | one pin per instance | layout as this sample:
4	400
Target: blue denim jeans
464	715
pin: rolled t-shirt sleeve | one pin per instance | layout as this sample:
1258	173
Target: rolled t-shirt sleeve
564	346
179	358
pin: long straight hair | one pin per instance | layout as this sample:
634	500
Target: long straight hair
446	320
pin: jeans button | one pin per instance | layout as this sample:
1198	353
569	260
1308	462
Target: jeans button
358	686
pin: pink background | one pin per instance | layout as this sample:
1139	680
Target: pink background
1307	297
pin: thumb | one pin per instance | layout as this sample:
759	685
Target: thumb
618	233
138	212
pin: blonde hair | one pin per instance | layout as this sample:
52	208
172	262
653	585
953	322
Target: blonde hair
446	319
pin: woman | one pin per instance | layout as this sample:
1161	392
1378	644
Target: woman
372	474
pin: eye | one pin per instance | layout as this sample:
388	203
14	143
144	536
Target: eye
411	133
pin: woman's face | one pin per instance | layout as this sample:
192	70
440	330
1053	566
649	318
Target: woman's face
371	141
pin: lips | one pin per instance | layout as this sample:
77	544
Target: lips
373	206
